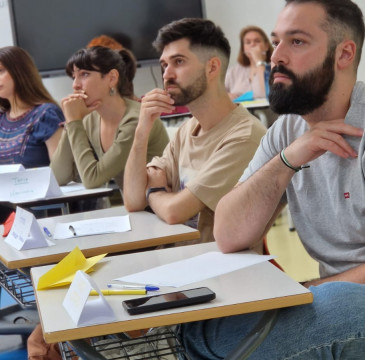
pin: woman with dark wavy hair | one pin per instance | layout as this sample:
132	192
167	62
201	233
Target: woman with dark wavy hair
100	119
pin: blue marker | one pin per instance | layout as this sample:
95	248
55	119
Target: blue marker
146	287
48	233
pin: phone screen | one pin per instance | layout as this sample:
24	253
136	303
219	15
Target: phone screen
169	300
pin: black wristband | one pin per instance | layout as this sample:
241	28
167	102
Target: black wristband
154	189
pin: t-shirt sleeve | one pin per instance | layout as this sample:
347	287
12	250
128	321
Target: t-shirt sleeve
50	119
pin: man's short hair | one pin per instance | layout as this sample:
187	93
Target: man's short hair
344	18
202	34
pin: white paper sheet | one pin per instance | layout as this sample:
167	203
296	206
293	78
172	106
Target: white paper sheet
92	227
195	269
72	186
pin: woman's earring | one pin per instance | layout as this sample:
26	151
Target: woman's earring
112	92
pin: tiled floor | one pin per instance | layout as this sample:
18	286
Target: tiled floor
290	252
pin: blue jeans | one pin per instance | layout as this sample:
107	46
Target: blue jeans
332	327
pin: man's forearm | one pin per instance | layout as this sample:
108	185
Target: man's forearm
243	215
135	175
355	275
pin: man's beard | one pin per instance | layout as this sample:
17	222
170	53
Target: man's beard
190	92
306	93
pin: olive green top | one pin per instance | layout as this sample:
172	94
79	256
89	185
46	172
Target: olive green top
79	154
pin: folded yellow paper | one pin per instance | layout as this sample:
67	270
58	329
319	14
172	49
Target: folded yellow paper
63	273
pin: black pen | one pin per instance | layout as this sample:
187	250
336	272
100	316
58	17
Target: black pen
72	230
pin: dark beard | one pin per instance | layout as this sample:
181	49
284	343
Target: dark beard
306	93
190	92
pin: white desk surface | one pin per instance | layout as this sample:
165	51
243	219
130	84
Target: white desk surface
147	230
256	288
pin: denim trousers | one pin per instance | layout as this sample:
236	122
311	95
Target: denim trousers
332	327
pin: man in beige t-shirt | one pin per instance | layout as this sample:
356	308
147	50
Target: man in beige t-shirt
209	152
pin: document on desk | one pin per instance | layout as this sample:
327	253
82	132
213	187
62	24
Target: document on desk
195	269
71	187
92	227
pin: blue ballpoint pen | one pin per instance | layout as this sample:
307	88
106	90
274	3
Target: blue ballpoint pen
48	233
123	286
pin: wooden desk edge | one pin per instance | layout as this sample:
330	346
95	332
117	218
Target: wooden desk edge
109	249
177	318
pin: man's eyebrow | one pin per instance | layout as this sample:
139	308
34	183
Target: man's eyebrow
173	57
293	32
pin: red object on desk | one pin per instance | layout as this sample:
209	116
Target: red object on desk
8	223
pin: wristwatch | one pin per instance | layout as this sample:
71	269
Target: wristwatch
261	63
154	189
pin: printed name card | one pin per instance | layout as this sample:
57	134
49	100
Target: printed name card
29	184
85	310
26	233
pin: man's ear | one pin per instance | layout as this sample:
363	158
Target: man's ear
214	67
346	52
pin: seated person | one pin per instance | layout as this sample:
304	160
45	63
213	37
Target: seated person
253	61
29	117
317	53
100	120
204	160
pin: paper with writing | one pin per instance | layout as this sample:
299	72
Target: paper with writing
26	233
27	185
82	309
195	269
92	227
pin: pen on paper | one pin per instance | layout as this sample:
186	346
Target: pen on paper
144	287
71	228
47	232
120	292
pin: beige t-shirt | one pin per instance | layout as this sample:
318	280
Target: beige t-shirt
80	154
209	165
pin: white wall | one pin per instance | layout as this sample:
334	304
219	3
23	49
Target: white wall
231	15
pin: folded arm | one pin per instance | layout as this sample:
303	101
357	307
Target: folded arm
247	212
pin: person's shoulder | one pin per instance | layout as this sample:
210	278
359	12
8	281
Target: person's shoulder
358	93
242	117
133	108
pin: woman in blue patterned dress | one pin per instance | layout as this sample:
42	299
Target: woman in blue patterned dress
29	117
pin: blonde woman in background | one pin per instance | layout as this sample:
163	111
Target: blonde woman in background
253	60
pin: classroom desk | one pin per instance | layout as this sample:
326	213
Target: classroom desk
147	230
255	288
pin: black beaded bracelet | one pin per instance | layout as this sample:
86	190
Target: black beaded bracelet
287	163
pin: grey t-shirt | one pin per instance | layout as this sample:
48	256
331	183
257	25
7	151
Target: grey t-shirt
326	201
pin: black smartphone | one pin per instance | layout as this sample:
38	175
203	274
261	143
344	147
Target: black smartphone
168	301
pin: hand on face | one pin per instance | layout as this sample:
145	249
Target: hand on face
154	103
255	53
320	138
75	108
